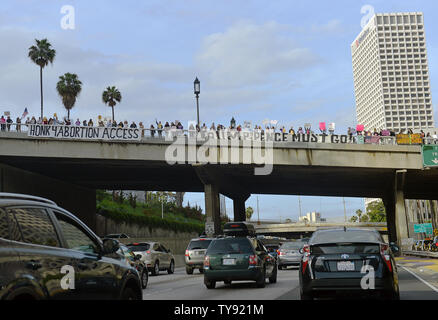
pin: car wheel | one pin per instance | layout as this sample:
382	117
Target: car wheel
261	282
144	279
201	270
171	267
129	294
156	269
273	277
210	284
280	268
189	270
228	282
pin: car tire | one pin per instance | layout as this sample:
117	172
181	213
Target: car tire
210	284
273	277
156	269
261	281
144	279
129	294
171	267
189	270
201	270
280	267
227	282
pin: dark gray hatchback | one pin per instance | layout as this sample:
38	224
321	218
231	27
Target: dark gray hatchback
348	262
47	253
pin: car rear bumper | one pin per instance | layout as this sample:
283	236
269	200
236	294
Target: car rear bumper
352	285
289	261
243	274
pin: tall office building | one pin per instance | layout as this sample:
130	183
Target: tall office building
391	73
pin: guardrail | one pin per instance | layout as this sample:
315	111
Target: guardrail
421	253
170	134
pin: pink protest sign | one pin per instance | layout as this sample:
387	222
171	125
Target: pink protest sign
322	126
360	127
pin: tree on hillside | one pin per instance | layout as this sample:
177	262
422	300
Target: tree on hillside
376	211
359	214
249	212
68	88
42	54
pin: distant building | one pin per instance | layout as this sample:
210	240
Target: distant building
312	217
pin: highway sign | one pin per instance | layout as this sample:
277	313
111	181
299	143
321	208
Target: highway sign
418	228
430	155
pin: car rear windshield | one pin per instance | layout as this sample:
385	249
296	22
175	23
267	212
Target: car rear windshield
230	246
292	245
139	247
198	244
349	236
351	248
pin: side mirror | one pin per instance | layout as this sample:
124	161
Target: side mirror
110	246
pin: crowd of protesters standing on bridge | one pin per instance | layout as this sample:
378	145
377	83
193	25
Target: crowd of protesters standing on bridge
157	128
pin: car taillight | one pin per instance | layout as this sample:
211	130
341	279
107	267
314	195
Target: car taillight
306	254
252	260
148	251
384	252
281	253
187	253
206	261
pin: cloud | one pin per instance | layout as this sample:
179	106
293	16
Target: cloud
249	54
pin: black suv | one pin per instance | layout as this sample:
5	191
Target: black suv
47	253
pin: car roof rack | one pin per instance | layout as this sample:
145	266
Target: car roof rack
4	195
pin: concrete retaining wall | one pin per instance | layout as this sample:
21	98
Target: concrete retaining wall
175	241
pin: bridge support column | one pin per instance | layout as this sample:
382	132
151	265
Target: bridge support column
78	200
397	218
239	207
212	210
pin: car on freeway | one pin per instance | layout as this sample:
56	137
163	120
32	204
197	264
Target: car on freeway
335	261
117	236
48	253
238	256
155	256
289	254
135	261
194	254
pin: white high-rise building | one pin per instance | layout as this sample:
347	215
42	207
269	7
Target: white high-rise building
391	73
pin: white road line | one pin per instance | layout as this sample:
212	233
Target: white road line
422	280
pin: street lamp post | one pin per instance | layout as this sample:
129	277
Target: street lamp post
197	89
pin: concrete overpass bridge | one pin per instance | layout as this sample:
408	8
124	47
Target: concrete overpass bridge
297	230
69	171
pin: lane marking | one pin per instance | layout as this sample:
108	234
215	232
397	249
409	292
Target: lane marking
422	280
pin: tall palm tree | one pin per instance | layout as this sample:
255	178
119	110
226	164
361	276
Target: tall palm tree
111	96
68	88
42	54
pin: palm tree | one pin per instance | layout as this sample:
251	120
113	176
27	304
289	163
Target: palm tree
111	96
68	88
42	54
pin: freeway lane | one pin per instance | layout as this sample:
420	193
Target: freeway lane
180	286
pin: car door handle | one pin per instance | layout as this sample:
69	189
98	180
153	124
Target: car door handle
34	265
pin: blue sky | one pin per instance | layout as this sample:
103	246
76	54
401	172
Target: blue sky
283	60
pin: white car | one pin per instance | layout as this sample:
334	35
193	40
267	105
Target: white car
155	256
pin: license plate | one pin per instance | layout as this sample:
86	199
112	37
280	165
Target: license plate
346	266
229	262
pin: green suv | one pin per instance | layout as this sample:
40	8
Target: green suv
238	256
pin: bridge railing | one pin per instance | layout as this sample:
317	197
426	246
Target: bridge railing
21	130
